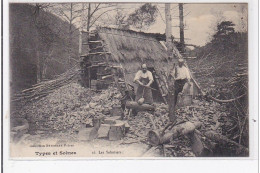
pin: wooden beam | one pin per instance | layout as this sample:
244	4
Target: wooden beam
95	53
93	42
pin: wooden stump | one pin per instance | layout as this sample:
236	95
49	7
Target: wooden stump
117	131
97	121
103	131
84	134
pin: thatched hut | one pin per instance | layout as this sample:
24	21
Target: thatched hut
128	50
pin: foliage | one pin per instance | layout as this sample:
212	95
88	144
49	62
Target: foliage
223	38
143	17
121	20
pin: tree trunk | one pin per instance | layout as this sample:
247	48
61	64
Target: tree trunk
88	25
70	34
39	67
80	30
168	30
171	98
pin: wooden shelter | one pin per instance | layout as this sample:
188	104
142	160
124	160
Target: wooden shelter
120	53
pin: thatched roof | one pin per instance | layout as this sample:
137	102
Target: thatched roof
127	46
130	49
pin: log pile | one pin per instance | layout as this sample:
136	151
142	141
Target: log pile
44	88
69	107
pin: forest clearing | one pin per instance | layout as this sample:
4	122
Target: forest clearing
100	89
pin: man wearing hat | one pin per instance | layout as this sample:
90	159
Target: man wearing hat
181	75
144	78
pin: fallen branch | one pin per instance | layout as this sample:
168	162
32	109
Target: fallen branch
224	101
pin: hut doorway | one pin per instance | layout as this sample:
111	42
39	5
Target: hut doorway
157	96
93	73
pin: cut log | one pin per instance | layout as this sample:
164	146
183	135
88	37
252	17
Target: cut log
182	129
136	106
117	131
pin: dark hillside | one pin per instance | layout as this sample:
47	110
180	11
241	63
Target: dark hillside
38	42
221	67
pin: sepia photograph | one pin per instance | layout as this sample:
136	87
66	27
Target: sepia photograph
129	80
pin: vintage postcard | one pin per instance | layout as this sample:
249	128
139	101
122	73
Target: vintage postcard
129	80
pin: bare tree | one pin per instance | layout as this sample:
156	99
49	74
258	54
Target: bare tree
70	12
79	17
93	13
218	18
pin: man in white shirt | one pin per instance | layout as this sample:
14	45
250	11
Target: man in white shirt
181	75
144	79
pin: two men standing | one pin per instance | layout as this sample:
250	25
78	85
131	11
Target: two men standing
144	79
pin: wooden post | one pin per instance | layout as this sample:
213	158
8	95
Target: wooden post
181	28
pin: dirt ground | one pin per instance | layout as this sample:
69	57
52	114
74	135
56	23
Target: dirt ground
65	117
